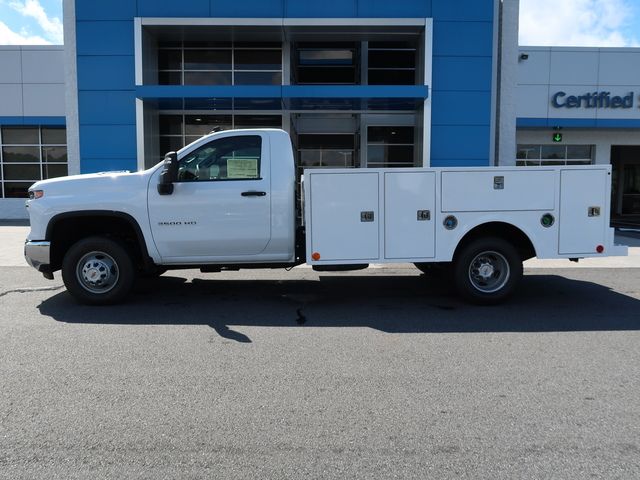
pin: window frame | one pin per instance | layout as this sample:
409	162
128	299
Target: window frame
299	48
184	140
40	162
565	161
412	145
232	48
391	46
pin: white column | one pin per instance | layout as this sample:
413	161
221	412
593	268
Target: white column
508	74
428	80
71	91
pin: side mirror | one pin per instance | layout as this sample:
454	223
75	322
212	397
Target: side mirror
169	174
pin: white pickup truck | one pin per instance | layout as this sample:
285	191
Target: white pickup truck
229	201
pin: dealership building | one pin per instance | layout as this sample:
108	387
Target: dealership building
356	83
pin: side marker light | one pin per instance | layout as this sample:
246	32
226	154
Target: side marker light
547	220
450	222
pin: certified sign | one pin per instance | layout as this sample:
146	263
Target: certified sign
592	100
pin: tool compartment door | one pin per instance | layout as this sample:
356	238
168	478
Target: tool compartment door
344	223
496	190
409	201
582	228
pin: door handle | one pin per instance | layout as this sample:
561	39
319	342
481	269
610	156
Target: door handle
253	194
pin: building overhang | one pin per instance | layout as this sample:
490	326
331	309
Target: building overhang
285	97
578	123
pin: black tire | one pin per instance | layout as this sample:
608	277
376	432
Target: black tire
98	271
487	271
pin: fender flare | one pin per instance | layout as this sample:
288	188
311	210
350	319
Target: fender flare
146	258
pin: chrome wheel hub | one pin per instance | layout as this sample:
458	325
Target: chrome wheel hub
97	272
486	271
489	272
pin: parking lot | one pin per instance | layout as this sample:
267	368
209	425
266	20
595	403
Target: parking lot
381	373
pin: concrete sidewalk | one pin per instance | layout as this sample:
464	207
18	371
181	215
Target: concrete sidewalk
12	241
12	246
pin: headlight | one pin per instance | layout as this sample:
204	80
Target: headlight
35	194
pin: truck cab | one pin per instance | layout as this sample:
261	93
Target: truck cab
233	200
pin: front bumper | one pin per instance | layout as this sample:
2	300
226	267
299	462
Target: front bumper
38	256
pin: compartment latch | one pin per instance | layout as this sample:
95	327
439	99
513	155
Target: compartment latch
594	211
367	216
424	215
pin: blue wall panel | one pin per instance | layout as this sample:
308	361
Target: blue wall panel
107	107
394	9
57	121
460	108
459	162
106	73
459	142
460	90
462	78
578	122
463	10
247	8
104	38
92	165
321	9
462	38
172	8
462	73
107	141
105	9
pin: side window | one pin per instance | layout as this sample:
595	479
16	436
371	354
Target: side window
230	158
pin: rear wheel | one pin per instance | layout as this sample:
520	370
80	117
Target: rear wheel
487	271
98	271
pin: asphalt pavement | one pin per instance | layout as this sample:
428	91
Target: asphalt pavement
382	373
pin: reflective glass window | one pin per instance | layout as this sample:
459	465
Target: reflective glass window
258	59
229	158
56	154
54	136
207	59
21	154
20	135
29	154
54	170
16	189
21	172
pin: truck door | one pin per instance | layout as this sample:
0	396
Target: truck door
220	206
583	220
410	204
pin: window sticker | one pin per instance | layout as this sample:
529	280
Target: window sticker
242	167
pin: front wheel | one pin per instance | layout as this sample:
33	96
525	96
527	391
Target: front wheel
98	271
487	271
